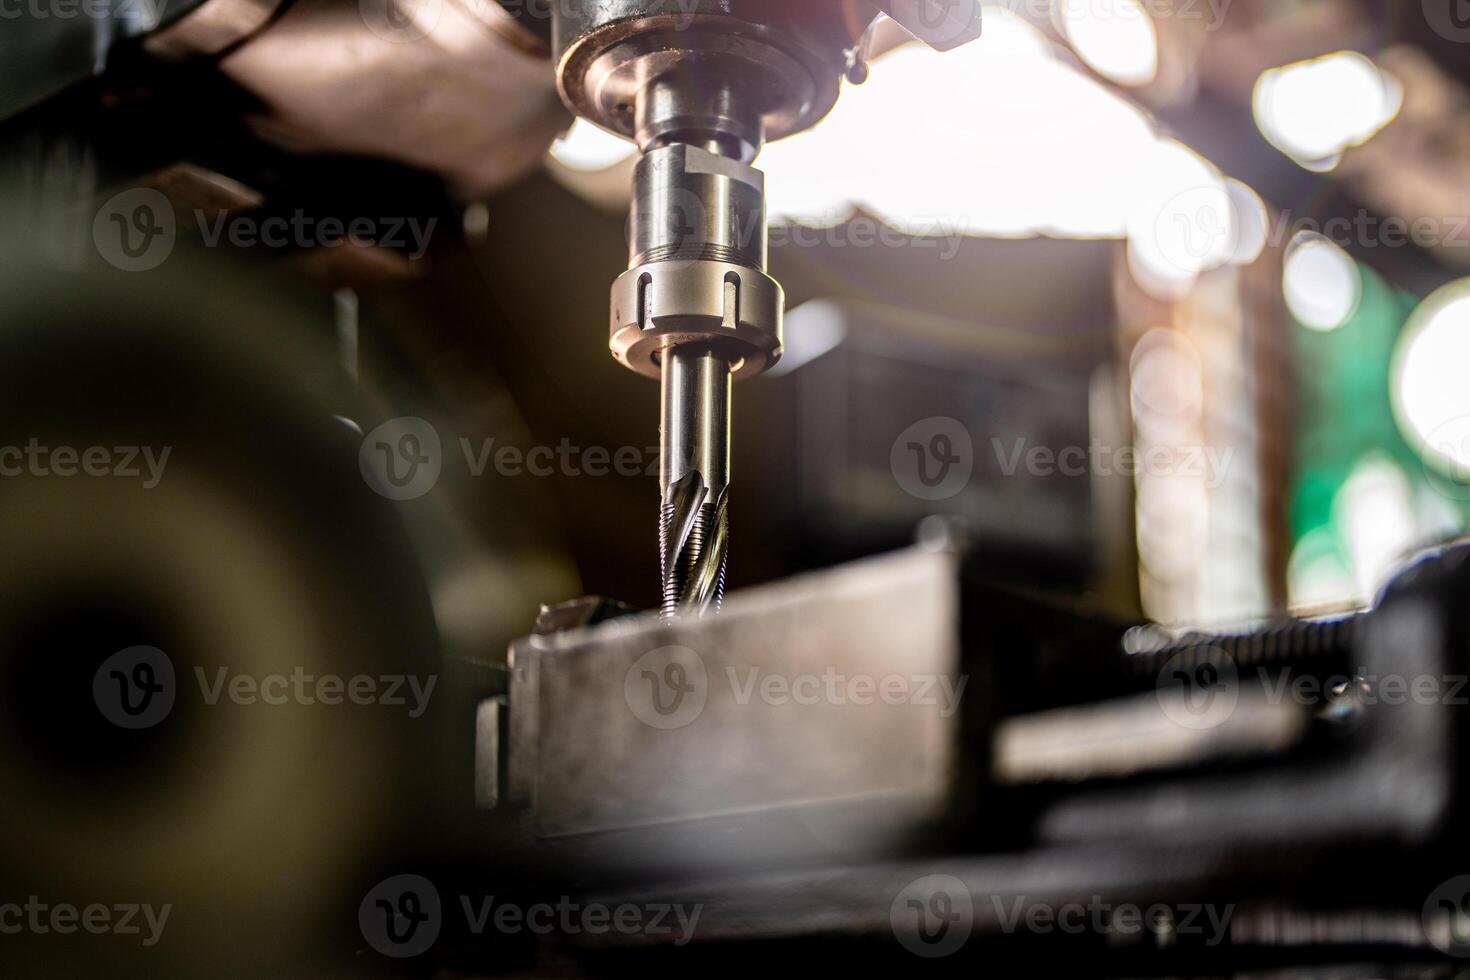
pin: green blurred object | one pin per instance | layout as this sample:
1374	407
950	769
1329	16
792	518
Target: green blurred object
1345	407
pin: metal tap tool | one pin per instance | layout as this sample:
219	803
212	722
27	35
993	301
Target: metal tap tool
700	85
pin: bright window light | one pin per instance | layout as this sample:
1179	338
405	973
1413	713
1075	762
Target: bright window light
814	328
588	148
1117	38
997	138
1316	110
1322	283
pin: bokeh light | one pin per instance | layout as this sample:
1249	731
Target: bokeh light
1315	110
1430	396
1321	282
1117	38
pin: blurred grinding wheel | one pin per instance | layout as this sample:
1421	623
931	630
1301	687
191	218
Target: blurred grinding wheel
261	551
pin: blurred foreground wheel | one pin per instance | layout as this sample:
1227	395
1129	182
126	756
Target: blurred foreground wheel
173	477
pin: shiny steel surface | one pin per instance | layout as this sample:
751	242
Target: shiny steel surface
694	478
699	93
697	308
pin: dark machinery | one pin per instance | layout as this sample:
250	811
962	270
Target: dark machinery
888	759
897	735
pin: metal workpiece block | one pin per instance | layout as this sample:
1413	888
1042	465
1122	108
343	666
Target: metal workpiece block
1086	761
837	686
